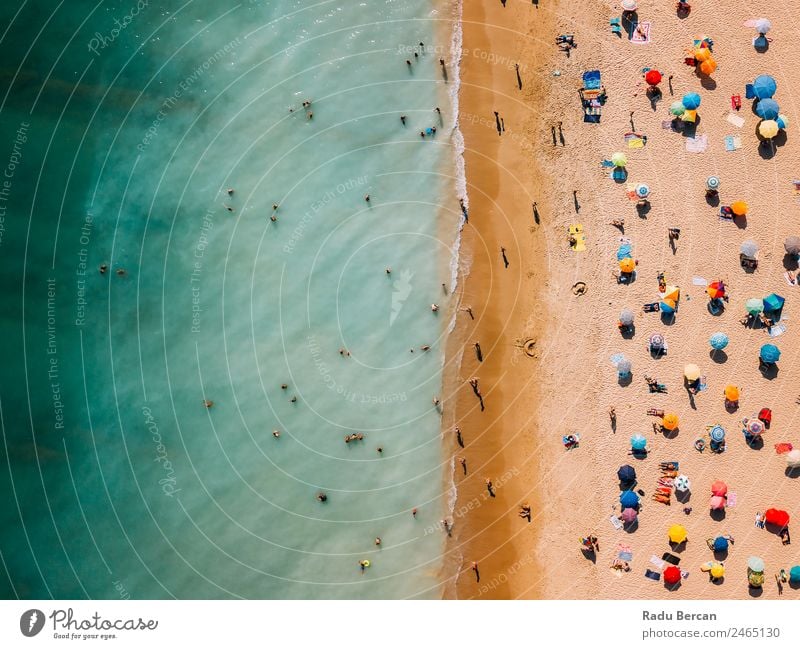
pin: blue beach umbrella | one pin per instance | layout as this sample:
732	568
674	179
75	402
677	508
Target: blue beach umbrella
794	574
638	442
628	499
667	306
764	86
626	473
773	302
718	340
783	121
717	433
691	101
767	109
720	544
770	353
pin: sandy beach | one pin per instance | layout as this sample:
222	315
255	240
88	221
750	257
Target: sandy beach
569	382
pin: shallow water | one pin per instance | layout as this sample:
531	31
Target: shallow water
117	481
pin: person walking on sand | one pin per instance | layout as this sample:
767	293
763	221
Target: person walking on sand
476	571
464	210
478	352
490	487
474	383
468	309
497	122
505	259
463	462
459	439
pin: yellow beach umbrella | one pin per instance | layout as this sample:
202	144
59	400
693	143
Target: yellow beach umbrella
672	293
691	372
627	265
717	570
689	116
619	159
731	393
670	421
739	208
768	128
677	534
702	54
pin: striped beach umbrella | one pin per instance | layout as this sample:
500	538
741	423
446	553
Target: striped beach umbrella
642	190
712	182
682	483
717	433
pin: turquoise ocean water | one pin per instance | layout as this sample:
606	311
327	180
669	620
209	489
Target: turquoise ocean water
122	126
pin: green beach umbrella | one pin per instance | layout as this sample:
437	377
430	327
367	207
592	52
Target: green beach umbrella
754	305
619	159
677	108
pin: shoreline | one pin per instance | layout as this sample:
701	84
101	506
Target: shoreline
501	188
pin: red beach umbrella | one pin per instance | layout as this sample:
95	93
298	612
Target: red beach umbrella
672	575
777	517
653	77
716	502
719	488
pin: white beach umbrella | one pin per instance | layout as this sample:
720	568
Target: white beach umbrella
793	459
763	25
629	5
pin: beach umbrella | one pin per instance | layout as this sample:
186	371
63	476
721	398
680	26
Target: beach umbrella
770	353
767	109
719	488
754	305
712	182
642	190
763	25
708	66
739	208
783	121
768	128
731	393
619	159
794	574
691	372
672	575
749	249
677	108
718	341
773	302
667	306
716	502
717	570
657	341
717	433
672	293
691	101
638	442
754	427
792	245
777	517
624	368
626	473
677	534
629	5
627	265
716	290
626	317
702	54
764	86
629	515
653	77
682	483
756	564
793	458
628	499
720	544
670	421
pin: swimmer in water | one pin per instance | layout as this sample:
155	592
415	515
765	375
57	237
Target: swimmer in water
121	272
403	119
322	497
377	540
103	268
388	270
230	191
276	434
273	218
434	307
207	403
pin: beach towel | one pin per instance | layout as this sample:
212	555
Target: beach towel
641	33
732	142
788	279
616	522
699	281
576	231
658	563
591	80
616	358
734	119
731	502
776	330
697	144
591	118
783	447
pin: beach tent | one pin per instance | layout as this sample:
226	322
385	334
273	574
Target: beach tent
653	77
626	473
769	353
691	372
691	101
628	499
677	534
672	575
767	109
764	87
629	515
719	488
773	302
792	245
627	265
638	442
682	483
717	433
718	341
776	517
793	458
768	128
716	290
716	502
670	421
626	317
739	208
754	305
720	544
731	393
794	574
717	571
